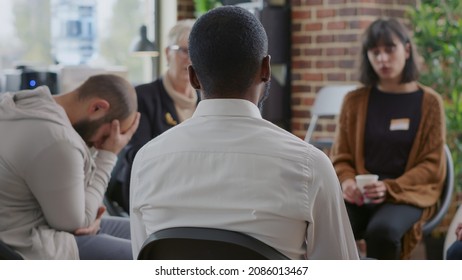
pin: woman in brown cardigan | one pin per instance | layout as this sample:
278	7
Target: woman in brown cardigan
395	128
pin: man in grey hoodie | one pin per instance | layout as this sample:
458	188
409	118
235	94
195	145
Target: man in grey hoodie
56	156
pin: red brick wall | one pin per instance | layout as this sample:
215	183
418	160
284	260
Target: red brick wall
325	44
185	9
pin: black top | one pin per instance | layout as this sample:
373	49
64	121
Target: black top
154	105
391	125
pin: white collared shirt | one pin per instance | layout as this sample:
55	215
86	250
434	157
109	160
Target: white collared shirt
228	168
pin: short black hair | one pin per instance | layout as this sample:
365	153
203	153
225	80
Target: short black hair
380	32
226	47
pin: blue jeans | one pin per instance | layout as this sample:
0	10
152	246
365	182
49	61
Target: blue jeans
111	243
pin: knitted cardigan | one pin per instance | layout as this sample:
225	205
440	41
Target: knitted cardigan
425	171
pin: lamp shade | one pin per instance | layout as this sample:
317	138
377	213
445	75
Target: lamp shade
142	46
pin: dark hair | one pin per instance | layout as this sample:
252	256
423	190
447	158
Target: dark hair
226	47
114	89
380	32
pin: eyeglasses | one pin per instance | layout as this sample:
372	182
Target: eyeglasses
181	50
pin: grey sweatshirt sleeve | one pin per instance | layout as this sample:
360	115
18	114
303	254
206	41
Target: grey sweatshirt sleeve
56	177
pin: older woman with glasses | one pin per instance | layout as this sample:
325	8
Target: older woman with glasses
163	103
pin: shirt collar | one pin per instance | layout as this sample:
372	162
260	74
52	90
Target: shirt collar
227	107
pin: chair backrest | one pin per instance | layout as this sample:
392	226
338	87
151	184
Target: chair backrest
328	102
446	195
6	253
197	243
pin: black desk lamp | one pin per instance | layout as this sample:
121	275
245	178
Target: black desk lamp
142	46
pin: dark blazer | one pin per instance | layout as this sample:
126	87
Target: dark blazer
158	114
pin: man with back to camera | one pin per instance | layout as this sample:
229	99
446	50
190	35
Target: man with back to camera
51	183
228	168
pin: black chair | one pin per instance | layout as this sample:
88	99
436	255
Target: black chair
113	208
6	253
446	195
196	243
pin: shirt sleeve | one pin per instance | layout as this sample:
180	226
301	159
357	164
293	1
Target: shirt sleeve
138	230
56	177
329	233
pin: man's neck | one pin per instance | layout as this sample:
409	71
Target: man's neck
67	102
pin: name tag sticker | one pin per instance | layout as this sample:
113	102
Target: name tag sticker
399	124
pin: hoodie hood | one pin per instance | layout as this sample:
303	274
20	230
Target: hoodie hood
32	104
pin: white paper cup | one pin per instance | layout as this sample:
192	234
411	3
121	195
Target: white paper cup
365	179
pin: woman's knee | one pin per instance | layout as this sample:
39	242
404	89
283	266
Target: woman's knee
385	232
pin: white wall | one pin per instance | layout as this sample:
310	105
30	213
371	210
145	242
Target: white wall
168	18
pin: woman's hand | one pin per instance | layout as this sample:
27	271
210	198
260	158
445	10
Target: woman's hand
351	192
376	192
117	139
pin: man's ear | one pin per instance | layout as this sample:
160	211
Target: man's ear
266	69
193	78
98	108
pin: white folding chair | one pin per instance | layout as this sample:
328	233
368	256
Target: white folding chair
328	102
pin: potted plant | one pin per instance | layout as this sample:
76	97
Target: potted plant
438	36
202	6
